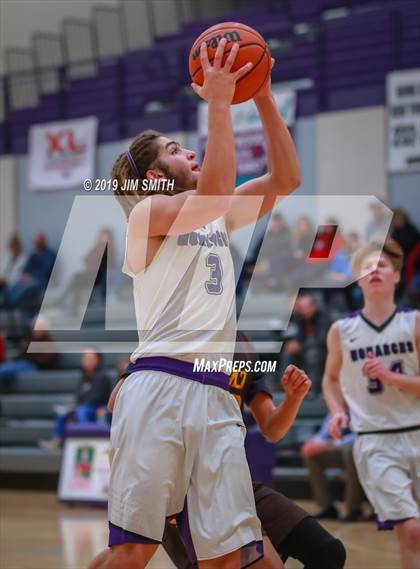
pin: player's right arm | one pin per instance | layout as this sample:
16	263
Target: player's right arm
331	386
275	422
160	215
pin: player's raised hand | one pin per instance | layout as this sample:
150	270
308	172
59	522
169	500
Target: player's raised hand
295	382
219	80
265	89
338	423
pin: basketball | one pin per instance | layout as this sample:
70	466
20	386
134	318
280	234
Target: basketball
252	48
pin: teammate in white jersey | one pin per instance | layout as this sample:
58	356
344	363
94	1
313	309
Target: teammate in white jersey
177	435
372	370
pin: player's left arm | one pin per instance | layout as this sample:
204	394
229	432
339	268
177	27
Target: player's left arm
274	422
113	396
375	369
283	170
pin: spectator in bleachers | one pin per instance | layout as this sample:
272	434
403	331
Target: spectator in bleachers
36	273
2	347
91	398
404	232
27	361
12	269
412	275
408	237
349	297
379	223
321	452
303	237
303	269
307	349
99	259
271	270
340	266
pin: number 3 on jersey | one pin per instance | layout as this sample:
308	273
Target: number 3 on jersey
214	284
376	386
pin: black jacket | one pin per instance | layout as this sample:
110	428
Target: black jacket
94	389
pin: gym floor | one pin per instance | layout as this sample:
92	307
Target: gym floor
36	532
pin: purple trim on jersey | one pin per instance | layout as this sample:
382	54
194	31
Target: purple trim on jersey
247	558
389	524
181	369
119	536
382	327
406	309
354	314
397	310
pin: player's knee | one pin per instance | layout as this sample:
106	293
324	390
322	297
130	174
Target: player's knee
130	556
410	533
229	561
332	554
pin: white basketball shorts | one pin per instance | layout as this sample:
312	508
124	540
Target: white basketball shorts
178	442
388	466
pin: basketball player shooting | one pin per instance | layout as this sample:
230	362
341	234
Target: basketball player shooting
372	370
177	435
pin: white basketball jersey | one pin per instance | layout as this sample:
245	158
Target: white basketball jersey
373	405
185	299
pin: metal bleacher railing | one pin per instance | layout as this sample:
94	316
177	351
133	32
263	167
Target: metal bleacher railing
344	53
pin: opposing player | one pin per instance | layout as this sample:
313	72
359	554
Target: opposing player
372	371
289	531
177	434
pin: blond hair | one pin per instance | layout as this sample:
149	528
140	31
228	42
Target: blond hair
390	248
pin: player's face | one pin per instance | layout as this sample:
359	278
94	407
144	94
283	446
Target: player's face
179	163
379	276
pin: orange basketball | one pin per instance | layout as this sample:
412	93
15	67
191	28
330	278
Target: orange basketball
252	47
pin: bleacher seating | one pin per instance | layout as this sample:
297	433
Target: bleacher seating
26	416
346	57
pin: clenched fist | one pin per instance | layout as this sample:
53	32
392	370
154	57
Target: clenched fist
295	382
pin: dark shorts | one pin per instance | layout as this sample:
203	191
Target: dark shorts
278	516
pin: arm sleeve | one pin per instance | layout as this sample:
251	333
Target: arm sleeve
257	384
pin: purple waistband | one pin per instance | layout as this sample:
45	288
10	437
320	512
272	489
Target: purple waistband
181	369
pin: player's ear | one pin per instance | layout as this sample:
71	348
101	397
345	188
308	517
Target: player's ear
154	174
397	277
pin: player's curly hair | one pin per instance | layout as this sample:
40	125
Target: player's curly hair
144	152
389	248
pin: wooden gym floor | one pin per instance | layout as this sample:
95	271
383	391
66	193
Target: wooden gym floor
36	532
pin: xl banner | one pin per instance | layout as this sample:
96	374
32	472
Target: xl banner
249	135
62	154
403	98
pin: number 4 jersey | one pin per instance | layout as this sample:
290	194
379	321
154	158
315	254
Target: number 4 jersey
185	298
373	405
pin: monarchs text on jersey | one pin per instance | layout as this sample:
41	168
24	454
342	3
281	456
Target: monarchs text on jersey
374	405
